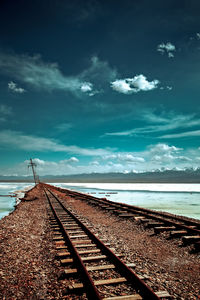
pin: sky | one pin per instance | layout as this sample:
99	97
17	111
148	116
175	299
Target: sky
99	86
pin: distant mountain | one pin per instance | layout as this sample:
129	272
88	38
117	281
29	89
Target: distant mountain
176	176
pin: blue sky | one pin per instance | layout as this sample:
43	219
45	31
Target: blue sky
99	86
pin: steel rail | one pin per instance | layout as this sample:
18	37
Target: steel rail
159	216
145	291
109	202
90	288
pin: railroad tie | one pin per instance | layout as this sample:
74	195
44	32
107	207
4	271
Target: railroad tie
89	245
154	224
64	253
144	220
78	236
61	247
128	297
139	218
86	259
163	228
163	294
127	215
57	233
177	233
131	265
58	238
88	251
76	286
93	258
75	242
190	239
93	268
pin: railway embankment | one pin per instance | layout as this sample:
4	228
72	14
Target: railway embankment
30	268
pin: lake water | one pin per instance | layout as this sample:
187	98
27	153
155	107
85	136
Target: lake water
7	203
180	199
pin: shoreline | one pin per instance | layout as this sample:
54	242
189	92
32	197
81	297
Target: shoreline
18	195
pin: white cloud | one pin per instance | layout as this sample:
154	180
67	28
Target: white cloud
134	85
160	123
169	88
124	157
95	163
14	88
130	158
198	36
163	148
121	86
25	142
70	160
5	112
40	75
162	153
181	134
37	161
170	54
166	155
63	127
86	87
44	167
99	72
168	48
155	157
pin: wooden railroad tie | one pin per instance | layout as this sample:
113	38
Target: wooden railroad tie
109	208
65	253
93	268
118	212
154	224
89	245
91	258
139	218
78	236
177	233
58	238
127	215
77	286
128	297
61	247
163	228
70	231
57	233
190	239
103	282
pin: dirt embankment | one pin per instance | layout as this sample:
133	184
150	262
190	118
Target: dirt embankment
29	269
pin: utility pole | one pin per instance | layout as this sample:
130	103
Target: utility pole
33	165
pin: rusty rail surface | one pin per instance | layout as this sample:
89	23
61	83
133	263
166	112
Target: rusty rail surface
91	290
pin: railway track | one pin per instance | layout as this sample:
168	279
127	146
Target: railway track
176	226
96	270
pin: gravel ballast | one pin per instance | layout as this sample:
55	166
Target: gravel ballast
29	268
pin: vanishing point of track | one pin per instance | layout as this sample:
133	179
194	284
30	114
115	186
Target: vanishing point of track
97	270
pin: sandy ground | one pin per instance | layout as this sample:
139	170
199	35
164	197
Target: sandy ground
29	268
